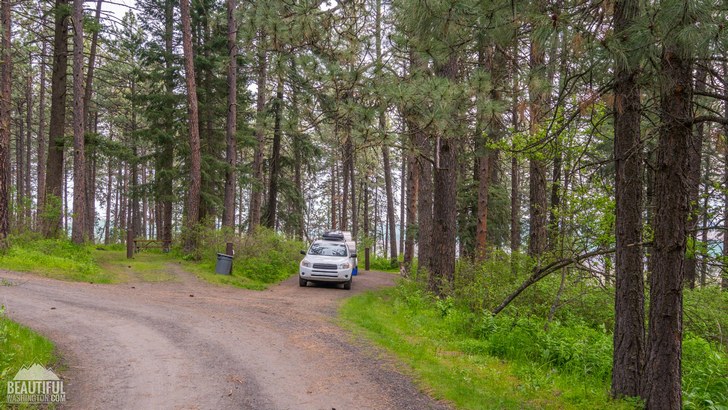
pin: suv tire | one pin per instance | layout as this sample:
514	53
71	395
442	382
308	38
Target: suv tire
302	282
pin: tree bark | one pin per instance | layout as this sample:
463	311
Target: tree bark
444	233
28	144
228	212
629	325
662	384
413	189
256	192
515	240
695	160
52	219
41	154
537	201
402	199
5	95
193	196
390	202
166	162
89	124
19	169
272	208
424	205
724	273
78	230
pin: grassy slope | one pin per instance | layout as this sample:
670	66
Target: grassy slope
20	346
457	370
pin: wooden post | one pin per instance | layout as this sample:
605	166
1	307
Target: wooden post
366	258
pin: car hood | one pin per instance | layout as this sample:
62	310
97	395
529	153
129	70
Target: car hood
327	259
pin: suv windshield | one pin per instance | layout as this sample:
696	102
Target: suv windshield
327	249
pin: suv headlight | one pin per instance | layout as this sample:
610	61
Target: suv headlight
305	263
346	265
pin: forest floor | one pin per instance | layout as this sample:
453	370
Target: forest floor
187	344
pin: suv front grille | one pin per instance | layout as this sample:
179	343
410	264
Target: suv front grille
327	266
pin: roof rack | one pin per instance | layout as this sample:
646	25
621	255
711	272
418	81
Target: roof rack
333	236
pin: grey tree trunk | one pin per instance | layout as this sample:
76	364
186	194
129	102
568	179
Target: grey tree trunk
78	230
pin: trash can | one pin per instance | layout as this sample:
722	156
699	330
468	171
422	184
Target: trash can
224	264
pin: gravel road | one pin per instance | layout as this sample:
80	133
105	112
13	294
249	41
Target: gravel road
193	345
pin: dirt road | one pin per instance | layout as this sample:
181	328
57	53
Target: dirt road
192	345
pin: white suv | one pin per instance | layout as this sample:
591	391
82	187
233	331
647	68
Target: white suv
327	261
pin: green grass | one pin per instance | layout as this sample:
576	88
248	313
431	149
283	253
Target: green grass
461	369
147	266
57	259
20	346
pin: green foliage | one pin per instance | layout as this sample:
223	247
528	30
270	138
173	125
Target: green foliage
576	346
379	263
20	346
54	258
452	352
260	259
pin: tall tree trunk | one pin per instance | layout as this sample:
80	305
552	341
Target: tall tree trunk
494	61
334	194
413	189
390	201
166	192
53	197
5	90
345	183
228	212
19	169
256	192
695	160
89	123
402	199
28	144
515	240
424	205
109	184
724	274
41	154
537	204
193	196
352	187
272	208
444	230
79	159
705	219
629	325
662	384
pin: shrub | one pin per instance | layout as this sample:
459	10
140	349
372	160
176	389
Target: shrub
260	259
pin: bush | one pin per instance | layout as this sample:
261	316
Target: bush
572	346
260	259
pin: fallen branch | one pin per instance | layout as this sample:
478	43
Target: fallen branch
548	269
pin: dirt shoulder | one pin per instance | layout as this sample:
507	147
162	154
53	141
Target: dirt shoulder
192	345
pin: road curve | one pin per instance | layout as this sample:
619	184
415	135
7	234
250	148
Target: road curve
193	345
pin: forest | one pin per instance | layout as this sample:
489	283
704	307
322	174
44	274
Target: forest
510	158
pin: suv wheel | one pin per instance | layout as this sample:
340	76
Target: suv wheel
302	282
347	284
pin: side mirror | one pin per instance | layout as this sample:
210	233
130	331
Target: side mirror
353	255
303	252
